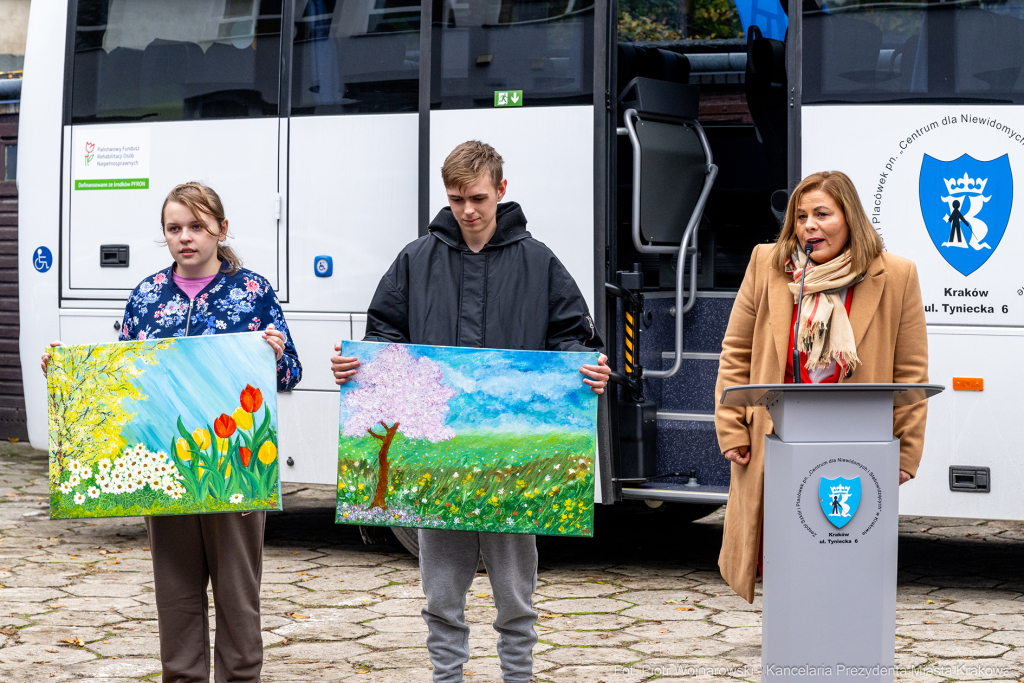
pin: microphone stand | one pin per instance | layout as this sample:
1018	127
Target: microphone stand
797	370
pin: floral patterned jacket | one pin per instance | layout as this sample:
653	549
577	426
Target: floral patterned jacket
242	302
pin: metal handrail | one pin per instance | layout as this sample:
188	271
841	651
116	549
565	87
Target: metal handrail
689	236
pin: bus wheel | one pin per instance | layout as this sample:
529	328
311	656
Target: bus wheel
409	538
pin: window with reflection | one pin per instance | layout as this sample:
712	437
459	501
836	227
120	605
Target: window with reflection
860	51
674	20
544	48
170	60
355	56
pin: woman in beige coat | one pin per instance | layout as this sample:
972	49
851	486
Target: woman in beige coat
861	320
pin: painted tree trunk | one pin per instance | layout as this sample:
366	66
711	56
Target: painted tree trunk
380	496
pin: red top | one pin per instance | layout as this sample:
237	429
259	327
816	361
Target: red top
804	376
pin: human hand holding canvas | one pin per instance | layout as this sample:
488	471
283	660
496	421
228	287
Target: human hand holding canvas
275	339
598	374
46	356
343	367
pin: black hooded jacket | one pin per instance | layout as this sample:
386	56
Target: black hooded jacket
513	294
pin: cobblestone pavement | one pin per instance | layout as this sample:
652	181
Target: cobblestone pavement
641	600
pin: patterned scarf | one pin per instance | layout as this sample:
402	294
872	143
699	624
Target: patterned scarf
825	333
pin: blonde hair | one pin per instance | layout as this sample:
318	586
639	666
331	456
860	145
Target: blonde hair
202	199
864	242
468	162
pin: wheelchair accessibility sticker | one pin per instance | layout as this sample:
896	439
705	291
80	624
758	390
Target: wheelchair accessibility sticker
839	499
966	206
42	259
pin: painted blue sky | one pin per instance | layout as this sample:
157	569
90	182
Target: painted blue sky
199	378
506	391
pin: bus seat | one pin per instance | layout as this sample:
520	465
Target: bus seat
766	98
165	70
88	67
119	78
662	65
989	51
673	160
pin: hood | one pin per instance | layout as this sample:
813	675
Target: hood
511	227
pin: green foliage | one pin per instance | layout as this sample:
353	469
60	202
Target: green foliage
540	484
645	29
659	20
716	19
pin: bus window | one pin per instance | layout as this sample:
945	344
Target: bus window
675	20
543	48
864	51
354	57
171	60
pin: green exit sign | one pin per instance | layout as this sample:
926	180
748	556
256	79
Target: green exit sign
508	98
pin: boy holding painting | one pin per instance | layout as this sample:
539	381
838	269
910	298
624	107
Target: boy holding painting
478	279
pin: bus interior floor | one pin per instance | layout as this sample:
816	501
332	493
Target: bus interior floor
641	600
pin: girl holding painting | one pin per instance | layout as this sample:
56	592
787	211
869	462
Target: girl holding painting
206	291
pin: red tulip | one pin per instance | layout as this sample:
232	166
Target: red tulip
246	455
224	426
251	399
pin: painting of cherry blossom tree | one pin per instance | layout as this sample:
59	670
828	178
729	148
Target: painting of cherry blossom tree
470	439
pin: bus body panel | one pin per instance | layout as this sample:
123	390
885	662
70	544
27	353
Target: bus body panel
353	196
975	320
39	179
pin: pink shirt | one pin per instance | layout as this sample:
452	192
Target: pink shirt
192	285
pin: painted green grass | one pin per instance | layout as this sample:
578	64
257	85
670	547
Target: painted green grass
510	483
63	506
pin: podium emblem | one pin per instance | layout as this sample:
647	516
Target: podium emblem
966	205
839	499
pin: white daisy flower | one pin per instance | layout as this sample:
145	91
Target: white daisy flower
500	491
79	499
65	487
176	495
74	481
571	471
547	478
456	520
237	498
94	492
508	520
104	466
557	466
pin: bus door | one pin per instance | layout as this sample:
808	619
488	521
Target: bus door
163	92
520	76
920	104
353	156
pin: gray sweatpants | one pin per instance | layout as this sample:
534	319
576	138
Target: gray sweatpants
448	563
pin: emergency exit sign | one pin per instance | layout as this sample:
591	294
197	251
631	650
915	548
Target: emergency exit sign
508	98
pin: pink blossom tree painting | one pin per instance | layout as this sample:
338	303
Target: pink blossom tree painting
401	394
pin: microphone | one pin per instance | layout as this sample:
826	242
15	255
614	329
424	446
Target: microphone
797	372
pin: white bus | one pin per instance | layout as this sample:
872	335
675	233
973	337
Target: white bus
323	125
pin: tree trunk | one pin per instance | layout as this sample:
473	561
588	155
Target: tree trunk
380	496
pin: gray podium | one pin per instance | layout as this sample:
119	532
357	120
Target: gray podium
831	506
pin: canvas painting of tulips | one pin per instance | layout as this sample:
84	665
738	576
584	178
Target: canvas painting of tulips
468	439
163	427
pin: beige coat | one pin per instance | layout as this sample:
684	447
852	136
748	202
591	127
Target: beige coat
888	322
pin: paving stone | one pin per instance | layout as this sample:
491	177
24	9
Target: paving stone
353	582
398	625
972	669
105	590
592	674
65	617
590	655
578	590
329	653
582	606
586	622
673	630
322	629
393	659
388	641
97	604
660	597
333	599
419	675
941	632
692	647
1009	622
128	646
735	619
906	617
731	602
590	638
403	590
52	635
957	648
399	607
130	667
30	594
666	612
35	652
1014	638
657	583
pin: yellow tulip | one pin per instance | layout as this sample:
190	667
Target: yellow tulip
202	438
222	445
242	418
183	452
267	453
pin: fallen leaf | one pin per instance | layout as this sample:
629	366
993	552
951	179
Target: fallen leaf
51	650
303	574
73	641
11	495
296	616
145	548
671	602
106	642
282	590
662	630
929	622
56	605
115	658
481	595
103	552
925	529
684	609
113	562
929	602
296	552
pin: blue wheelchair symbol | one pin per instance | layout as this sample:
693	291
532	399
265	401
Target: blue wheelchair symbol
323	266
42	260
